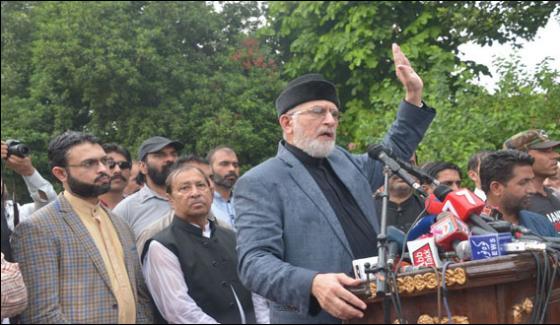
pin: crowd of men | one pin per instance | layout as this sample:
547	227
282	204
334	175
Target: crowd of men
183	239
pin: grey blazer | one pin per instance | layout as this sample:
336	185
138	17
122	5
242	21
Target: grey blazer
286	230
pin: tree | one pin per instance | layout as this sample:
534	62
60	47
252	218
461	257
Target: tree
350	43
126	71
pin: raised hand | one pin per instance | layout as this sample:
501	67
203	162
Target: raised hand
409	78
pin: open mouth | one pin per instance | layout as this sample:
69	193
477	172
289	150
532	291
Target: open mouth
326	135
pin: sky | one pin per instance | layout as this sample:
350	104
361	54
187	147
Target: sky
546	43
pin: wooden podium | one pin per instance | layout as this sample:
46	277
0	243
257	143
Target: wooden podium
499	290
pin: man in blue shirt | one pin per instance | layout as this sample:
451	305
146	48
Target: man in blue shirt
225	172
507	179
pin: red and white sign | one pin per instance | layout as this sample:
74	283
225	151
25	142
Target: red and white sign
424	252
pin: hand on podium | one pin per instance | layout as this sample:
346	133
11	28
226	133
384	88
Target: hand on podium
334	298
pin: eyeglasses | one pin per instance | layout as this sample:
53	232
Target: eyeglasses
188	188
122	164
94	163
319	112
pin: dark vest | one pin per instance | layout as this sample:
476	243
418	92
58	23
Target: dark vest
210	269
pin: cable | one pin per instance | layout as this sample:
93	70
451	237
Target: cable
407	234
396	297
548	292
537	290
445	302
438	291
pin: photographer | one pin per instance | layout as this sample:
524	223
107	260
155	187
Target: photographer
40	190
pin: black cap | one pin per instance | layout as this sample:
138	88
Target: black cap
306	88
155	144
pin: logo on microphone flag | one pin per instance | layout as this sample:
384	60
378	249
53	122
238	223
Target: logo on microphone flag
485	246
424	252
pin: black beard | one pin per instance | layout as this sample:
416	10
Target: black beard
400	191
513	205
86	190
223	182
159	177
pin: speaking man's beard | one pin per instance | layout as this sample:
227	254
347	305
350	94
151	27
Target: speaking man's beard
314	147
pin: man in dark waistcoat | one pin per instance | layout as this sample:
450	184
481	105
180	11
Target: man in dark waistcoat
191	266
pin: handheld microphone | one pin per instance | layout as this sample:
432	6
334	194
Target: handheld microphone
482	249
433	205
423	252
449	230
422	227
463	204
395	238
463	250
377	152
506	226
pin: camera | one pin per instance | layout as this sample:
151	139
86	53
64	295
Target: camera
17	148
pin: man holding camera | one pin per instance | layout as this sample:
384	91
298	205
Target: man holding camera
16	157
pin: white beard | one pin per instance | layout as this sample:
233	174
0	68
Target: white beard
314	147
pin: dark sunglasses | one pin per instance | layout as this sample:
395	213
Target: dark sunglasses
122	164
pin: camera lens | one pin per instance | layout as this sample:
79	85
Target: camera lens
15	147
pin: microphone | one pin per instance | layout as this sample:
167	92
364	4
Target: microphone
422	227
463	250
395	239
449	230
469	249
423	252
433	205
475	231
377	152
506	226
463	204
412	169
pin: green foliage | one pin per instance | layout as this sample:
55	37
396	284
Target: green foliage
350	42
207	74
126	71
480	120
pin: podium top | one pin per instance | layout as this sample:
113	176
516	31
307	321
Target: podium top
459	276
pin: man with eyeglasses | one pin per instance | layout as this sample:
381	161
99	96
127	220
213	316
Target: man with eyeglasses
119	170
149	204
79	260
303	216
546	154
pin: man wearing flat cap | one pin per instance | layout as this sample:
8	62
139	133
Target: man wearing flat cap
304	215
141	209
545	152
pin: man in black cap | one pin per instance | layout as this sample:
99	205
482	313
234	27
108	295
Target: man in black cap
545	152
139	210
303	216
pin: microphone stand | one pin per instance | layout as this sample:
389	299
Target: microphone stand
381	277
